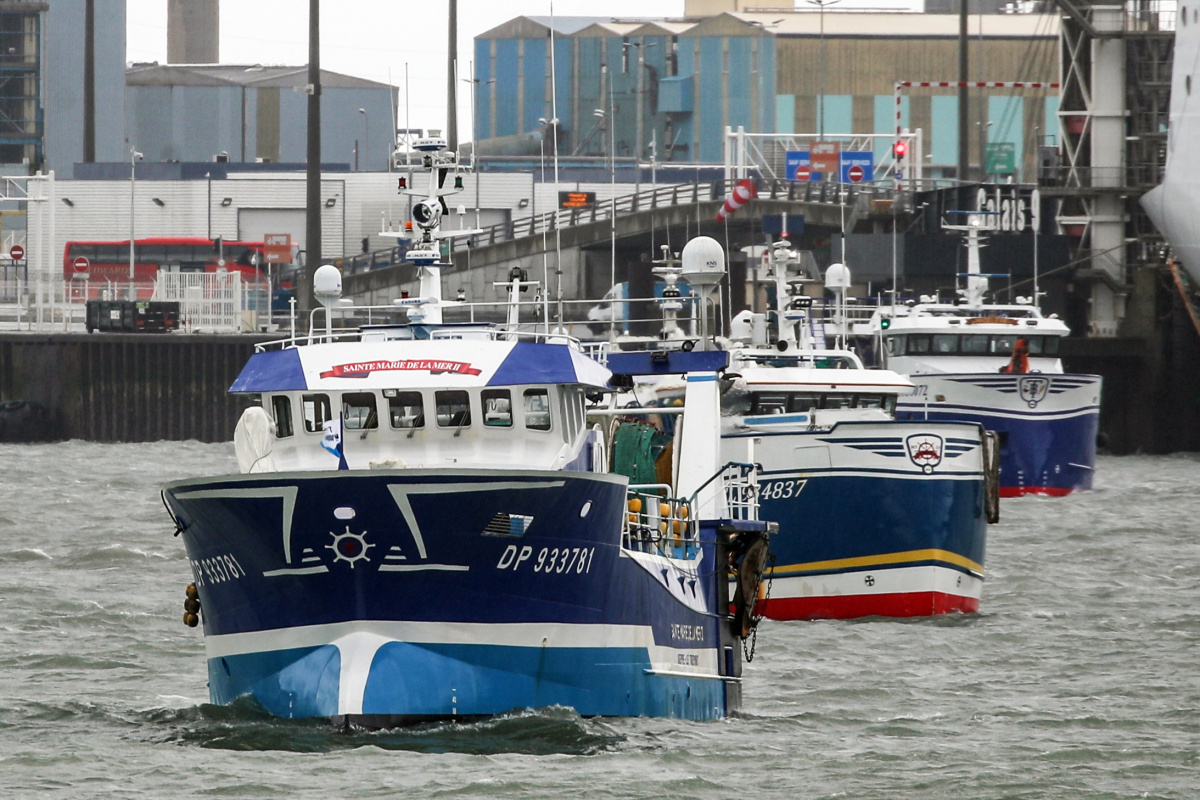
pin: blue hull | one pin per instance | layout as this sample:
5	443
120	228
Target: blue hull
862	517
864	529
1038	455
399	595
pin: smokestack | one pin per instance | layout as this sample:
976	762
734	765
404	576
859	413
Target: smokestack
193	27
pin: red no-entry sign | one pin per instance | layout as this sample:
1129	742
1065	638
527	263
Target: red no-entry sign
855	173
17	252
81	264
803	173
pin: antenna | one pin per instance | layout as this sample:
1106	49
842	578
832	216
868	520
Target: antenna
554	114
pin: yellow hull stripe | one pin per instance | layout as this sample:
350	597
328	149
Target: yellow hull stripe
887	559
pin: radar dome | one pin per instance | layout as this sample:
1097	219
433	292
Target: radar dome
837	277
703	260
327	284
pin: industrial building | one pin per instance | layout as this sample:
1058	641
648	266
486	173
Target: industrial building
62	83
672	87
255	113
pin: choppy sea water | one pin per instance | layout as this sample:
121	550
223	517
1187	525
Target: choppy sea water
1080	678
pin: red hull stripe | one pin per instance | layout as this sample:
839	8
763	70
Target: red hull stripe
906	604
1018	491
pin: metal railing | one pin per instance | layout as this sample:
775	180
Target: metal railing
646	200
657	523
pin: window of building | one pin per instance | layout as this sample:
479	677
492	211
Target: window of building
281	405
497	408
537	409
358	411
406	410
316	411
453	409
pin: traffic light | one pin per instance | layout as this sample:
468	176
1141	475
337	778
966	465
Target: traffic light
885	323
900	149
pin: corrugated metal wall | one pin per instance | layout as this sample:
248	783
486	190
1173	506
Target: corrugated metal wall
129	387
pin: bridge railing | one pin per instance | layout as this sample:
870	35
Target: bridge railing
547	223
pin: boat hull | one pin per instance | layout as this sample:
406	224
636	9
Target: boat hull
866	530
387	596
1047	423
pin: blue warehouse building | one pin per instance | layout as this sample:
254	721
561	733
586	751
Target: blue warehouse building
668	89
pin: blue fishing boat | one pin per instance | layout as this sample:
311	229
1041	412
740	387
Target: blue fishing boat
426	526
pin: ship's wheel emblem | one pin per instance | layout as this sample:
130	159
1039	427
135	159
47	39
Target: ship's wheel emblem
350	547
1032	390
925	450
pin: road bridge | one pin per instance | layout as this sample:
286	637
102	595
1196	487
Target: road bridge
633	227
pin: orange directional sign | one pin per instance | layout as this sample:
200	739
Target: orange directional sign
277	248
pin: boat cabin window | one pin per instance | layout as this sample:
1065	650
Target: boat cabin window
918	343
945	343
453	409
281	405
769	403
838	401
497	408
537	409
1003	345
358	411
804	401
970	344
316	411
405	409
974	344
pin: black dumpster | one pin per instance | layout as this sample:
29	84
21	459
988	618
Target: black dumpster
132	316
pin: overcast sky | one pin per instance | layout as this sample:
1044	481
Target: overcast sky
372	39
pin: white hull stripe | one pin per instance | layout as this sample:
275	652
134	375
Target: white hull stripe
903	580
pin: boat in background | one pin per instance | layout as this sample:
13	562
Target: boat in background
876	517
996	365
426	527
1174	205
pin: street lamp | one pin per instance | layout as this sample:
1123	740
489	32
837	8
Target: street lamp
366	128
474	83
820	4
134	157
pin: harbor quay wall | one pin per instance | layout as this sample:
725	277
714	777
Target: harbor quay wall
117	387
114	387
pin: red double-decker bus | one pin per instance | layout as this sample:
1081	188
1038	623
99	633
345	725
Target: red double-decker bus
102	262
